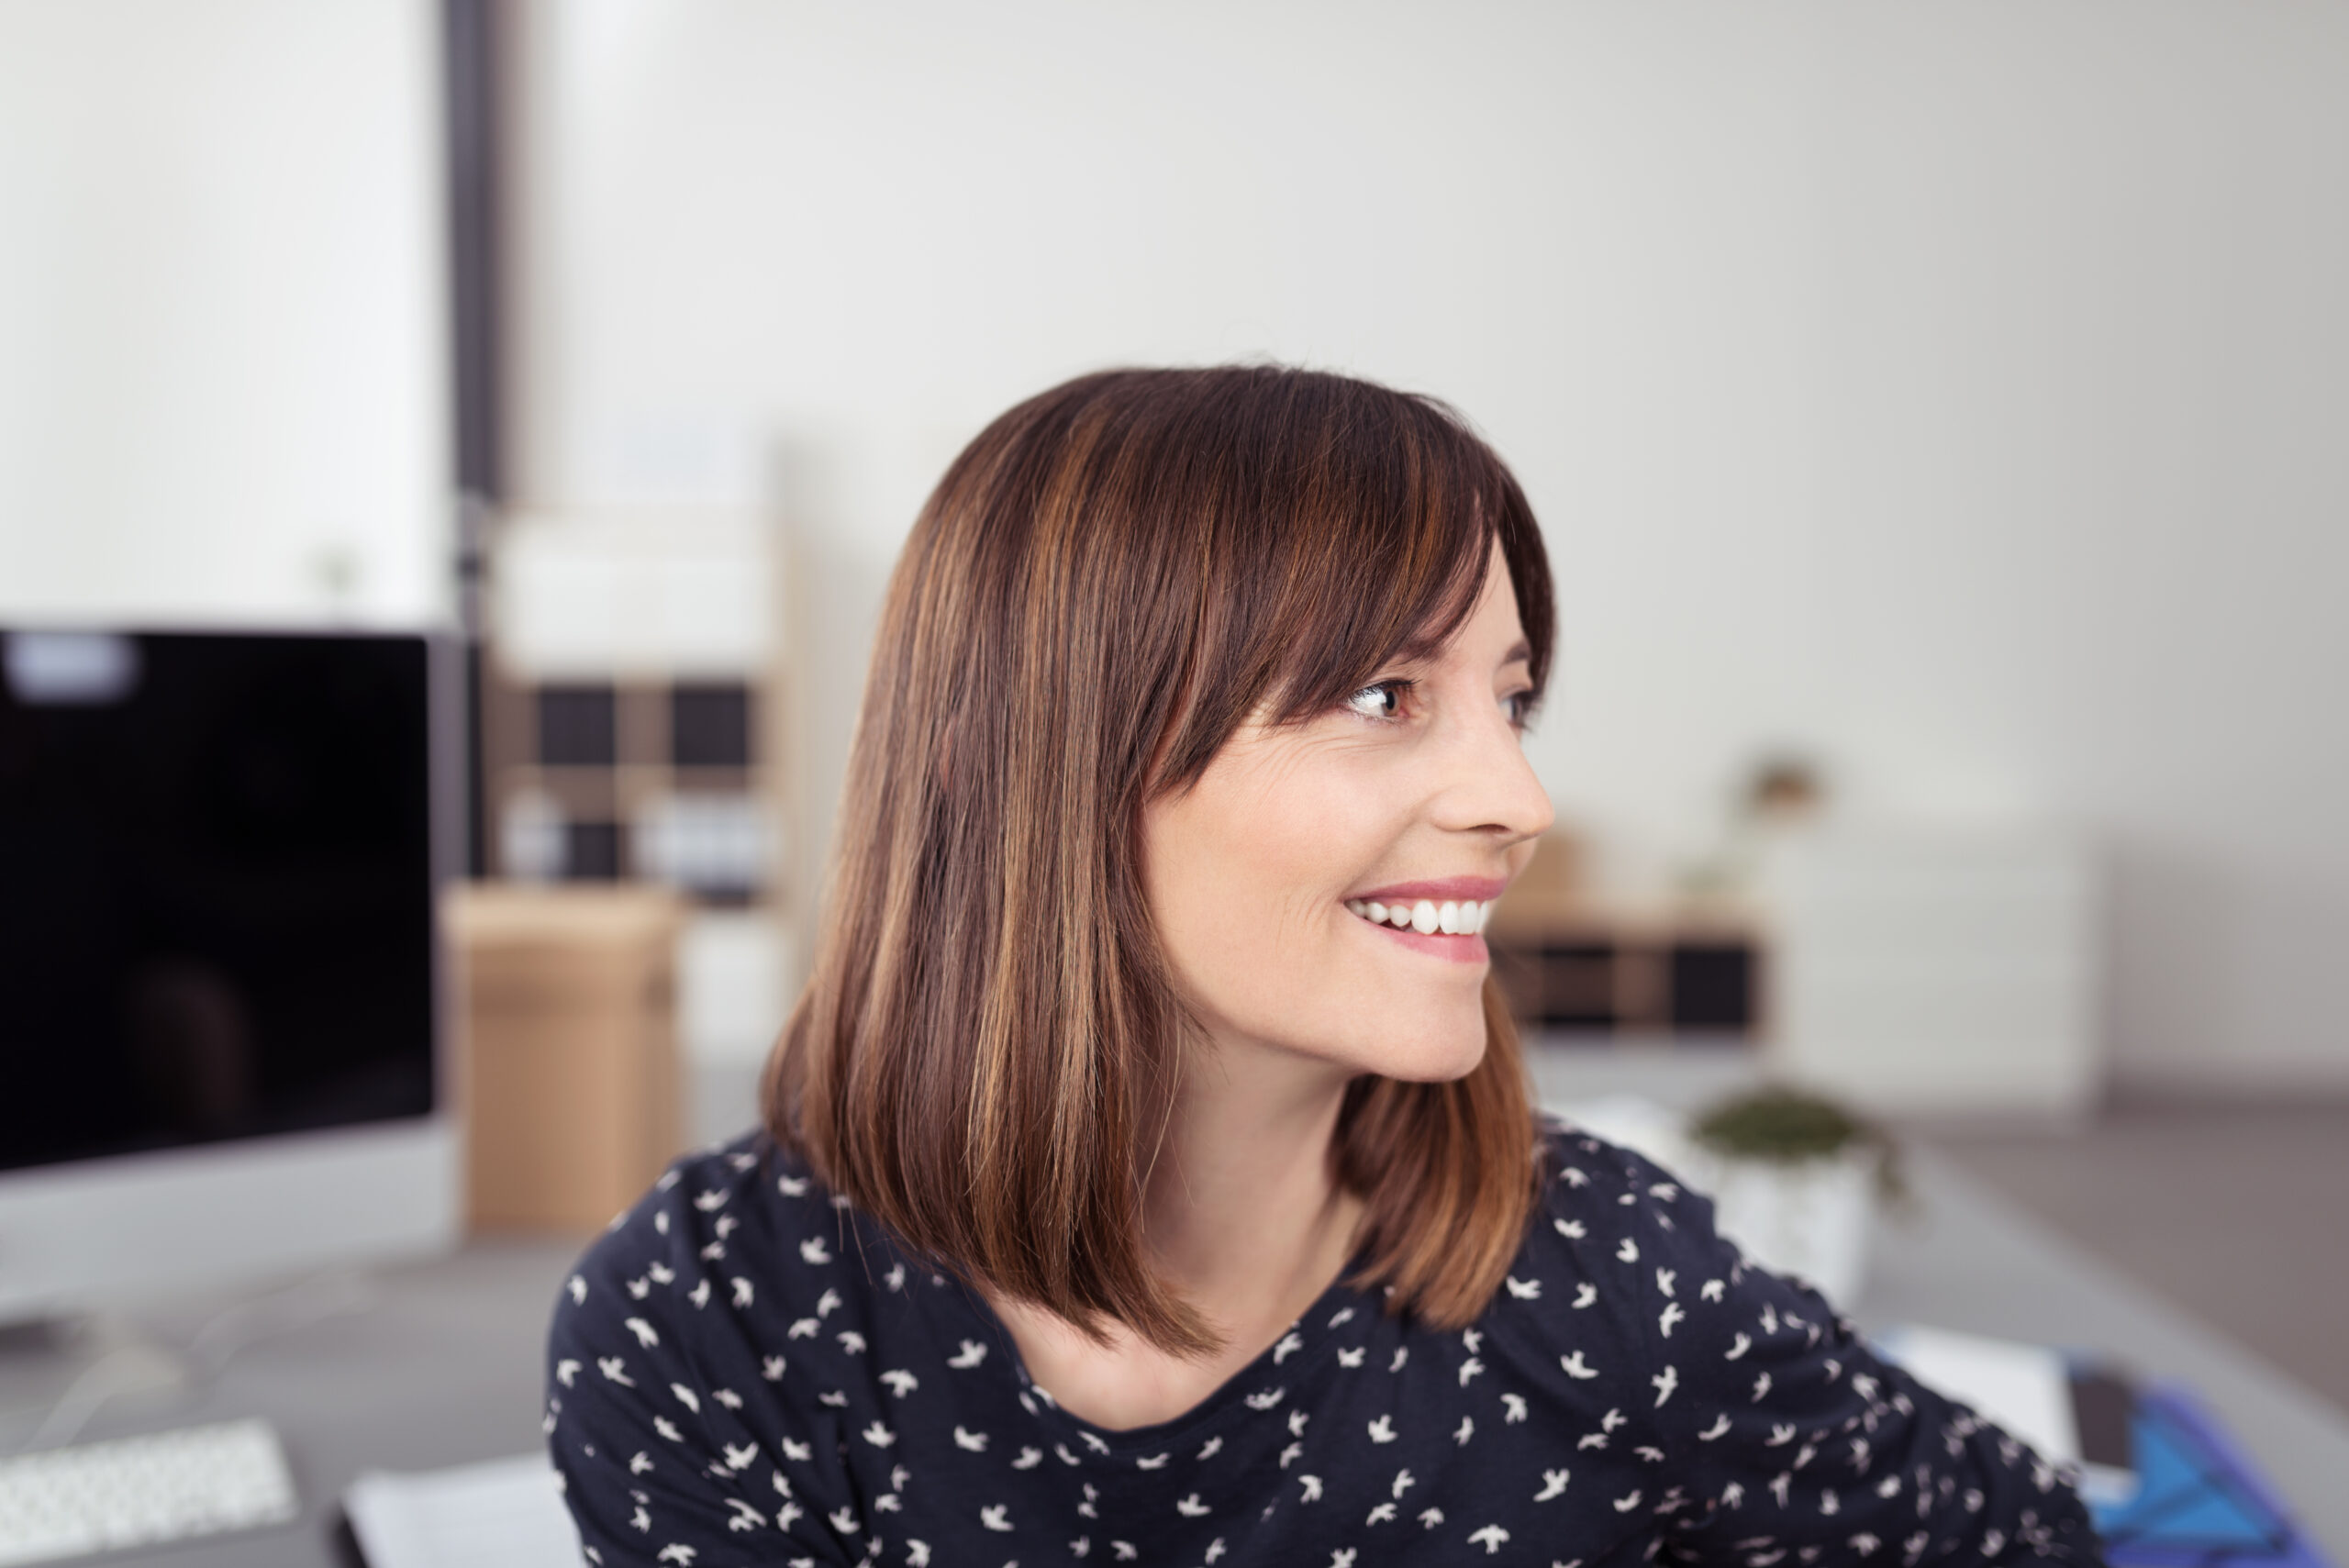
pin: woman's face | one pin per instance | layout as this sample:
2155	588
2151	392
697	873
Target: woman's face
1277	880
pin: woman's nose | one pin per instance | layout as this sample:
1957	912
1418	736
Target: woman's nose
1489	787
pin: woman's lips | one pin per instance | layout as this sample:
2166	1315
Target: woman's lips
1458	889
1459	950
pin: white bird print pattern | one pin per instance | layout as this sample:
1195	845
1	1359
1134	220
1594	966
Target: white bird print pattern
892	1355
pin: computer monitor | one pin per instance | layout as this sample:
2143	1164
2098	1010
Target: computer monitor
222	991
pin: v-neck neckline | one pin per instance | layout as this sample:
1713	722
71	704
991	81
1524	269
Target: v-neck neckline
1260	1375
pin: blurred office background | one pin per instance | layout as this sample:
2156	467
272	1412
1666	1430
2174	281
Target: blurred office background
1939	407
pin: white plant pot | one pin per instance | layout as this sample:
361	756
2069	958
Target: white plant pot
1807	1217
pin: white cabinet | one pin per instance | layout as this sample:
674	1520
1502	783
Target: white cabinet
1930	971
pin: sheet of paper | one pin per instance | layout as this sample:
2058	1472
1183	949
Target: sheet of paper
2027	1389
502	1514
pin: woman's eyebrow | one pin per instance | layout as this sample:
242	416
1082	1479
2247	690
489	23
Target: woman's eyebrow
1519	652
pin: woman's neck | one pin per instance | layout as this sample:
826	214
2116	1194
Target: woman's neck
1242	1217
1240	1212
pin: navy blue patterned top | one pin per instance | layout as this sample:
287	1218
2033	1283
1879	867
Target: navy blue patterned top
745	1369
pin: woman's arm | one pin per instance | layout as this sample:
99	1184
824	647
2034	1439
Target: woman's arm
1790	1437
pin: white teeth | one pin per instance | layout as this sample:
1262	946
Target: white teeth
1464	917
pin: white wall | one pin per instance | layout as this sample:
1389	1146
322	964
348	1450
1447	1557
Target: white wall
1955	389
223	392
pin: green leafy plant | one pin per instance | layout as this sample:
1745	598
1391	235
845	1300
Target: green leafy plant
1782	1124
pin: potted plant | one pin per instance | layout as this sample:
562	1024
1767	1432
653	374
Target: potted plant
1794	1178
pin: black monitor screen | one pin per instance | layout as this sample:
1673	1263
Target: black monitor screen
216	888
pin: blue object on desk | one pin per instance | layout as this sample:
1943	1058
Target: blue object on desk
2199	1502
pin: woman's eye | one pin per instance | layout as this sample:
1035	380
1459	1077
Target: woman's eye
1519	706
1381	700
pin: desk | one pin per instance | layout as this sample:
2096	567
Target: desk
444	1368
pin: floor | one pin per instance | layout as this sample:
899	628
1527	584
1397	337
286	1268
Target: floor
2239	1215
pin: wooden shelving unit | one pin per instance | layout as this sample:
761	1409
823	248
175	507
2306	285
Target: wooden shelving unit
1572	963
1621	972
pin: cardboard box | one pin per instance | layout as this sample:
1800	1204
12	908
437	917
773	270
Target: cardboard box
569	1071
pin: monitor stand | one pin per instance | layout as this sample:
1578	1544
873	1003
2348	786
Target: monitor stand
59	1372
56	1373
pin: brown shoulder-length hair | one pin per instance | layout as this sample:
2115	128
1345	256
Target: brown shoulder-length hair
1106	582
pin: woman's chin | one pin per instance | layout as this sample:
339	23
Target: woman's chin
1437	1060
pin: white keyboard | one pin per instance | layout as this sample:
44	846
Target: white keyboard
142	1491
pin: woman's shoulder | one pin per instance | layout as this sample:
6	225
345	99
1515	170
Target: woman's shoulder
1602	1196
1617	1252
743	1231
706	1353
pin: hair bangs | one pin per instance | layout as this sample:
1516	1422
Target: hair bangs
1363	542
1394	557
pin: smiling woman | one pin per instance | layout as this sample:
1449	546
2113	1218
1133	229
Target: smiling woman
1170	668
1149	1163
